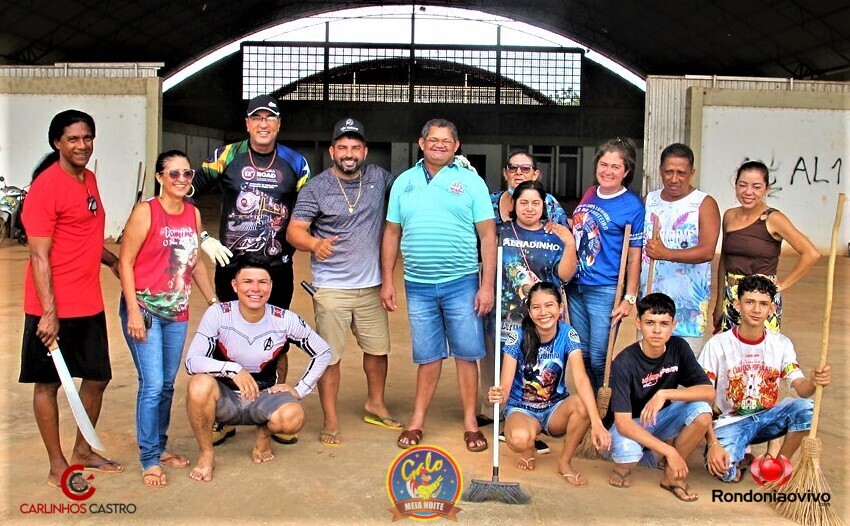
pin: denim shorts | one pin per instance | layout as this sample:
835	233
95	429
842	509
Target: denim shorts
788	416
668	424
541	415
232	409
443	321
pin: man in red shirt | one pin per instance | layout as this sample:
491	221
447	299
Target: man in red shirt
62	297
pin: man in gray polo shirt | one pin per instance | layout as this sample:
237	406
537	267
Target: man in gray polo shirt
339	218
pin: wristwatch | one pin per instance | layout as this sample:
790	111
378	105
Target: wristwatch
631	299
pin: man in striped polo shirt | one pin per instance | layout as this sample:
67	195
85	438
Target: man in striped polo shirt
435	211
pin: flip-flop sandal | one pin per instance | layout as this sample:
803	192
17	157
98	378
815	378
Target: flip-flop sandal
174	461
285	439
333	439
672	488
574	476
623	478
387	422
412	438
98	467
527	463
472	437
153	476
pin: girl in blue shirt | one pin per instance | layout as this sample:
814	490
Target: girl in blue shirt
533	385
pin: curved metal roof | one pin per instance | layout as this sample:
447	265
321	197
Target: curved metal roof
784	38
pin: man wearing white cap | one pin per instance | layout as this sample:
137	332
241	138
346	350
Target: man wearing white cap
259	181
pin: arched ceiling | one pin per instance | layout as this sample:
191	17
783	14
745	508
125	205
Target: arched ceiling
782	38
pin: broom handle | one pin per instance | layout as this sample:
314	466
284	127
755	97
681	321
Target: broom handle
651	272
830	277
615	328
497	359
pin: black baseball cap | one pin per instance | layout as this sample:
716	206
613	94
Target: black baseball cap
349	126
263	102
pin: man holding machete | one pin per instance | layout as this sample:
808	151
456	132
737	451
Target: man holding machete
62	296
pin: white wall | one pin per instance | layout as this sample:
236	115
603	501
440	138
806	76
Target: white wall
803	138
118	147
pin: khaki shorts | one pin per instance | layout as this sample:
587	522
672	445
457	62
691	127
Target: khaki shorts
338	310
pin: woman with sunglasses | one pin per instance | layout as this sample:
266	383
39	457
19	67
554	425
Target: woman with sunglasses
520	167
158	262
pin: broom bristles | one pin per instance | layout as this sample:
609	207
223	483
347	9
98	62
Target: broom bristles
603	399
806	477
587	450
507	492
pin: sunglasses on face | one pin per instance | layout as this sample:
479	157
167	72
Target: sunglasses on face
187	174
522	168
92	203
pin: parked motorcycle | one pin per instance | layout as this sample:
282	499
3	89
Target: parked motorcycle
11	205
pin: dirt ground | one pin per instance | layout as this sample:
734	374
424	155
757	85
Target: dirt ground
309	483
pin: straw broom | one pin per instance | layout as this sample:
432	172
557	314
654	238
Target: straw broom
603	397
807	476
483	490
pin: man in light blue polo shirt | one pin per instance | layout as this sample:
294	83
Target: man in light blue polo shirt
435	211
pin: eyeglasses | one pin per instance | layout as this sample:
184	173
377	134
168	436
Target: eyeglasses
187	174
92	203
271	119
522	168
435	141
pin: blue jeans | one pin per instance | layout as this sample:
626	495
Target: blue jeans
669	422
441	313
788	416
157	360
590	309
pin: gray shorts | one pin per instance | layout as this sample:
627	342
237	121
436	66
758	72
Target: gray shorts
231	409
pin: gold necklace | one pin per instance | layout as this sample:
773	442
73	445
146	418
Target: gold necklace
251	158
345	196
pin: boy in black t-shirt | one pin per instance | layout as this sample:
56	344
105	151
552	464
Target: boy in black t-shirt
649	408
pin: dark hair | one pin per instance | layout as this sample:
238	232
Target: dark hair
530	338
656	303
439	123
626	149
45	163
754	165
677	149
60	121
522	151
248	261
757	283
163	158
529	185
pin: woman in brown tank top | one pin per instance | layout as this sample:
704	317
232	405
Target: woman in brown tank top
752	239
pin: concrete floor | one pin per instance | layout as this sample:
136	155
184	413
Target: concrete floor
313	484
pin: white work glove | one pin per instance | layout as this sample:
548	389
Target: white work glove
464	162
217	252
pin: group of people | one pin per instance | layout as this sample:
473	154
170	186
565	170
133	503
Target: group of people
668	391
355	219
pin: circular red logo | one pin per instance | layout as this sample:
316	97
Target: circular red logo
767	469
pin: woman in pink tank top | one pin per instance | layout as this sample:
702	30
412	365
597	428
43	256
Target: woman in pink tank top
752	238
158	263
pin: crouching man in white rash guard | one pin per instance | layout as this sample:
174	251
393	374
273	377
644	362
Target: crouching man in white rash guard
233	359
